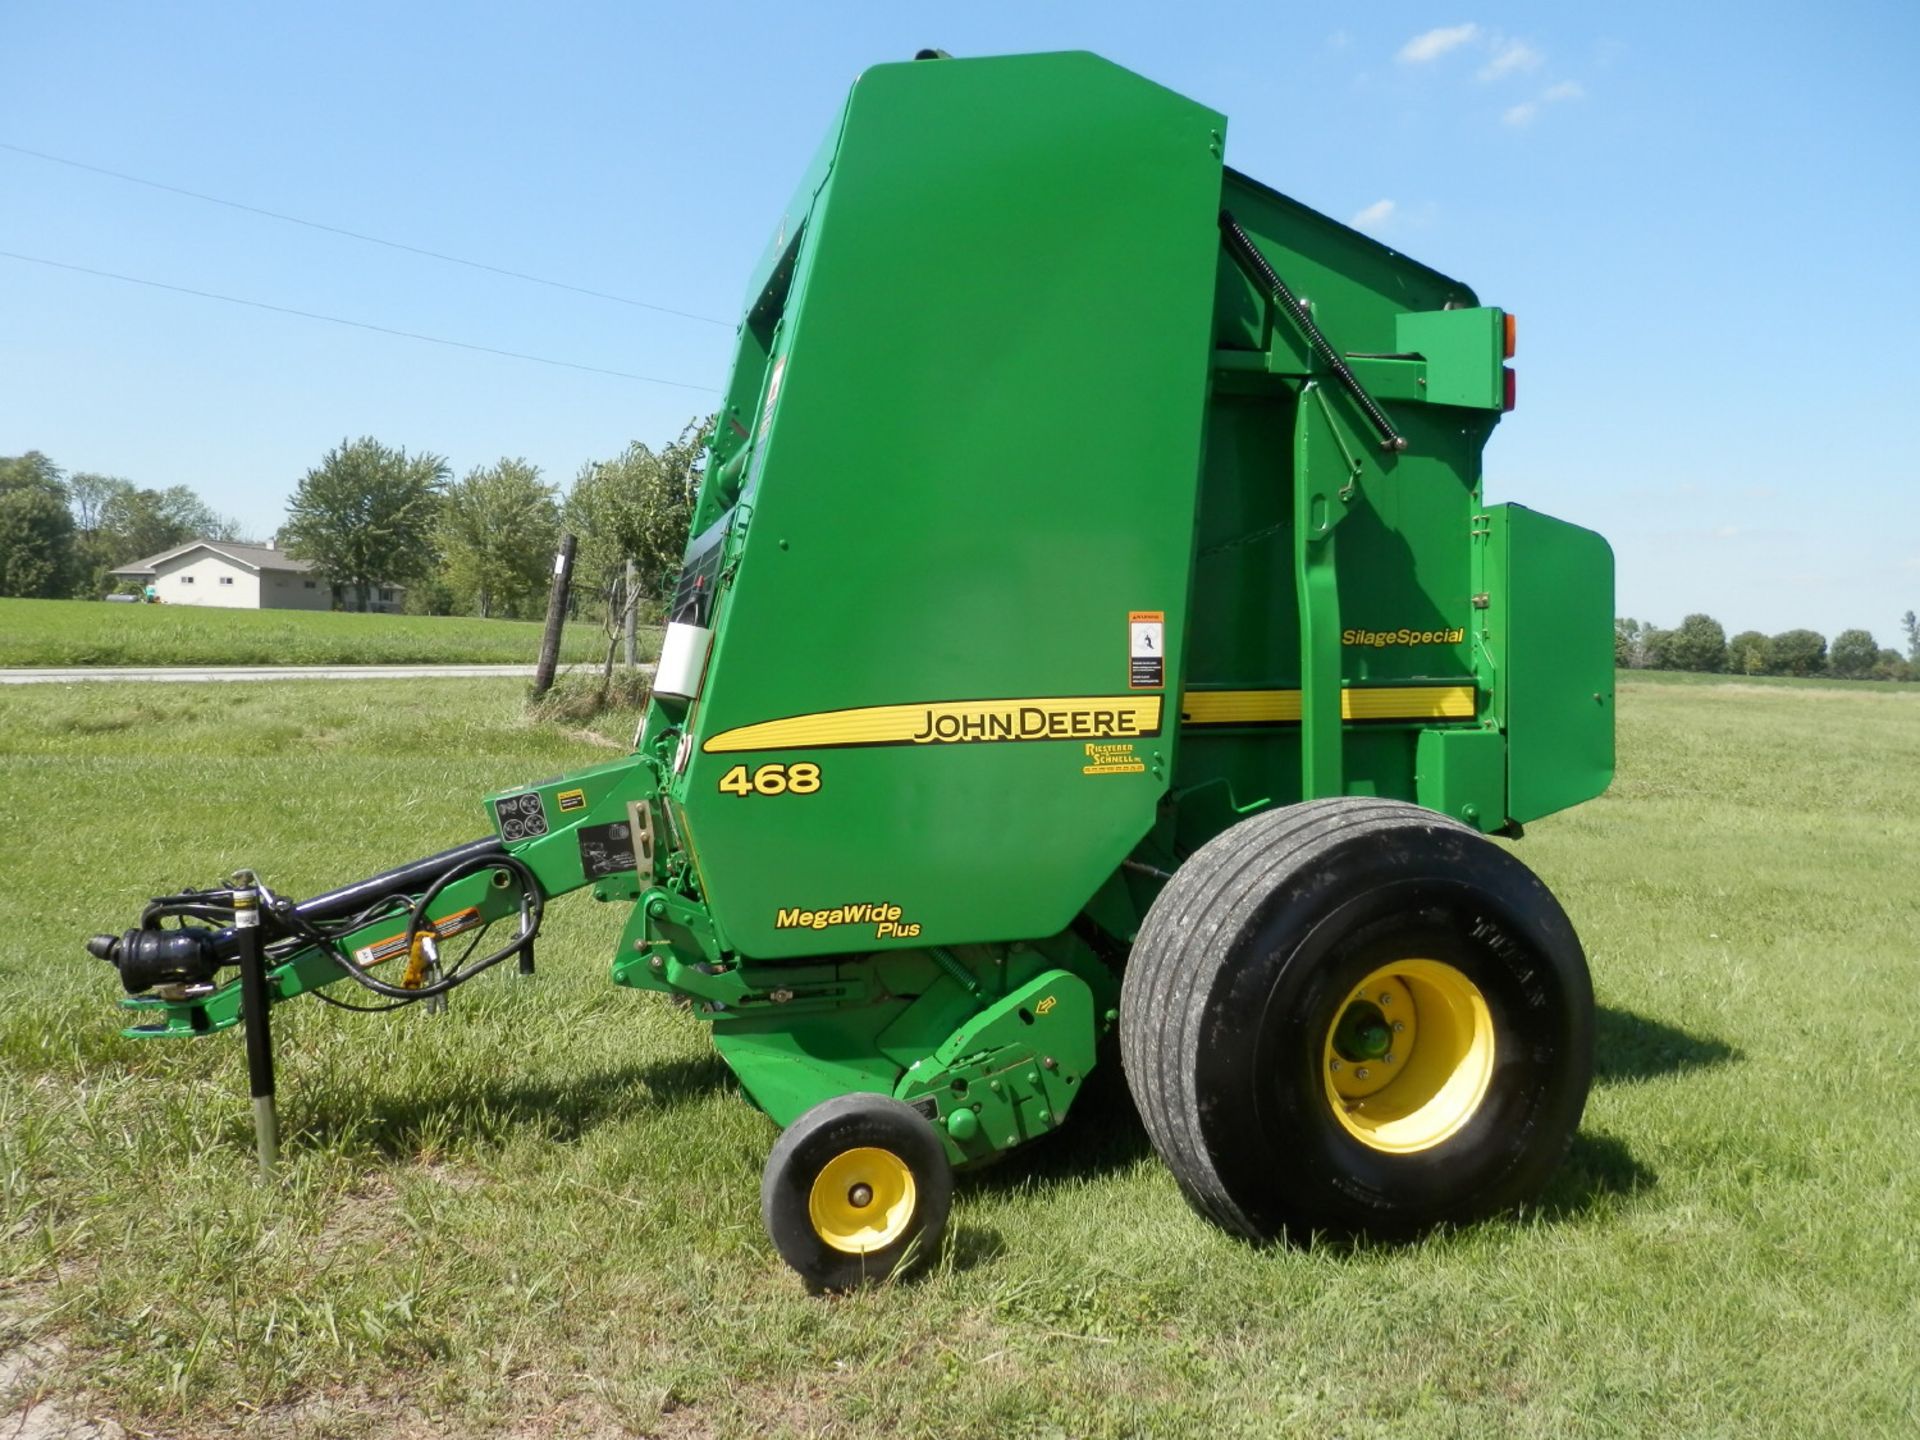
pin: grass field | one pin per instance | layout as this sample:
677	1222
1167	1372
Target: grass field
537	1215
86	632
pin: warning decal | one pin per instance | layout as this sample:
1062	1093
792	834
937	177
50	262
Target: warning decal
606	849
520	816
1146	649
445	928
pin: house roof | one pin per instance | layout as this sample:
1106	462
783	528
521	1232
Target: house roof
253	557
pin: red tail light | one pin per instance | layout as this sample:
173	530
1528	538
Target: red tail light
1508	394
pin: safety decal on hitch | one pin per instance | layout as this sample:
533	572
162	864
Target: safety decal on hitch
445	928
521	817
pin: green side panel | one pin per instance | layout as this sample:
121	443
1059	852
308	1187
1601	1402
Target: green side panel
1549	629
974	459
1402	560
1463	773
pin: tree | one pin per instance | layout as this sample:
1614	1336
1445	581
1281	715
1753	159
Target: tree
637	506
137	523
1747	653
1797	652
1656	649
497	533
1892	665
1699	644
1853	654
36	528
1626	643
366	515
89	494
1910	623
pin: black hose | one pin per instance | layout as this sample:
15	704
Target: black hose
532	909
350	899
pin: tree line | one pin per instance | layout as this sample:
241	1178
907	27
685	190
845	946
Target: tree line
371	515
60	534
1699	643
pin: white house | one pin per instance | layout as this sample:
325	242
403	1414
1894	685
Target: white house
244	577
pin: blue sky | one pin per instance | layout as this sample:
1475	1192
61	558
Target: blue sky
1703	216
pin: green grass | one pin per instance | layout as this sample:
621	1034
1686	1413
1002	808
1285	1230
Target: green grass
86	632
1784	682
537	1215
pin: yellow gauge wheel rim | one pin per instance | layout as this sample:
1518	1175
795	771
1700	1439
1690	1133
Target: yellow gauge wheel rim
1416	1087
862	1200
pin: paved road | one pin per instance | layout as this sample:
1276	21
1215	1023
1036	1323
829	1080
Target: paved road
49	675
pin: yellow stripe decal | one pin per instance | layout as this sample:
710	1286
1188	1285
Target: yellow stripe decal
1282	707
948	722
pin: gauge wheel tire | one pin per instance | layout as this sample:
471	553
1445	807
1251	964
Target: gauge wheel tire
856	1190
1356	1017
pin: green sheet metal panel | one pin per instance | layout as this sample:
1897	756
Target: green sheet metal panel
1549	625
980	462
1403	562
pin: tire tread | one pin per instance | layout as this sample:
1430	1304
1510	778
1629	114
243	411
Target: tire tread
1183	946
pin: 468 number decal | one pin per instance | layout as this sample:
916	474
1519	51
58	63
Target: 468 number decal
800	779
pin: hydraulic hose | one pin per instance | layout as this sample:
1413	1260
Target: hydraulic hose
532	909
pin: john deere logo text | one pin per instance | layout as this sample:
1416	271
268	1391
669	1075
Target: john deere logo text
1381	639
949	722
883	917
1023	722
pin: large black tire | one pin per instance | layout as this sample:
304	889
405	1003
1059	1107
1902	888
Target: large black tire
1240	1011
856	1190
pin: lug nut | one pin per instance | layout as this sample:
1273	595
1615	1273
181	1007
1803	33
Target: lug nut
1386	997
1398	1026
1387	1059
1361	1073
1333	1064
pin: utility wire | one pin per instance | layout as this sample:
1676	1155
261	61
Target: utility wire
368	239
355	324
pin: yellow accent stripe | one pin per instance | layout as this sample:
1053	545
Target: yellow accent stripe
1077	717
1282	707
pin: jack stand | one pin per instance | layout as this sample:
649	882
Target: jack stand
254	1007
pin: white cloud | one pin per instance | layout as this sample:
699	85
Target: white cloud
1513	56
1727	532
1522	115
1435	43
1376	214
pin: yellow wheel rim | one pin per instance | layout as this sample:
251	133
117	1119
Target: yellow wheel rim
862	1200
1408	1056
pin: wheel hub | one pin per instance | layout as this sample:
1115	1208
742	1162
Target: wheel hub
862	1200
1409	1056
1363	1033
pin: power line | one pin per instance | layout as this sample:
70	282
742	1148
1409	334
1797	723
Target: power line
355	324
368	239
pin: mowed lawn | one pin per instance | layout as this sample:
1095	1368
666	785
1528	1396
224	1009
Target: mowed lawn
88	632
537	1215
